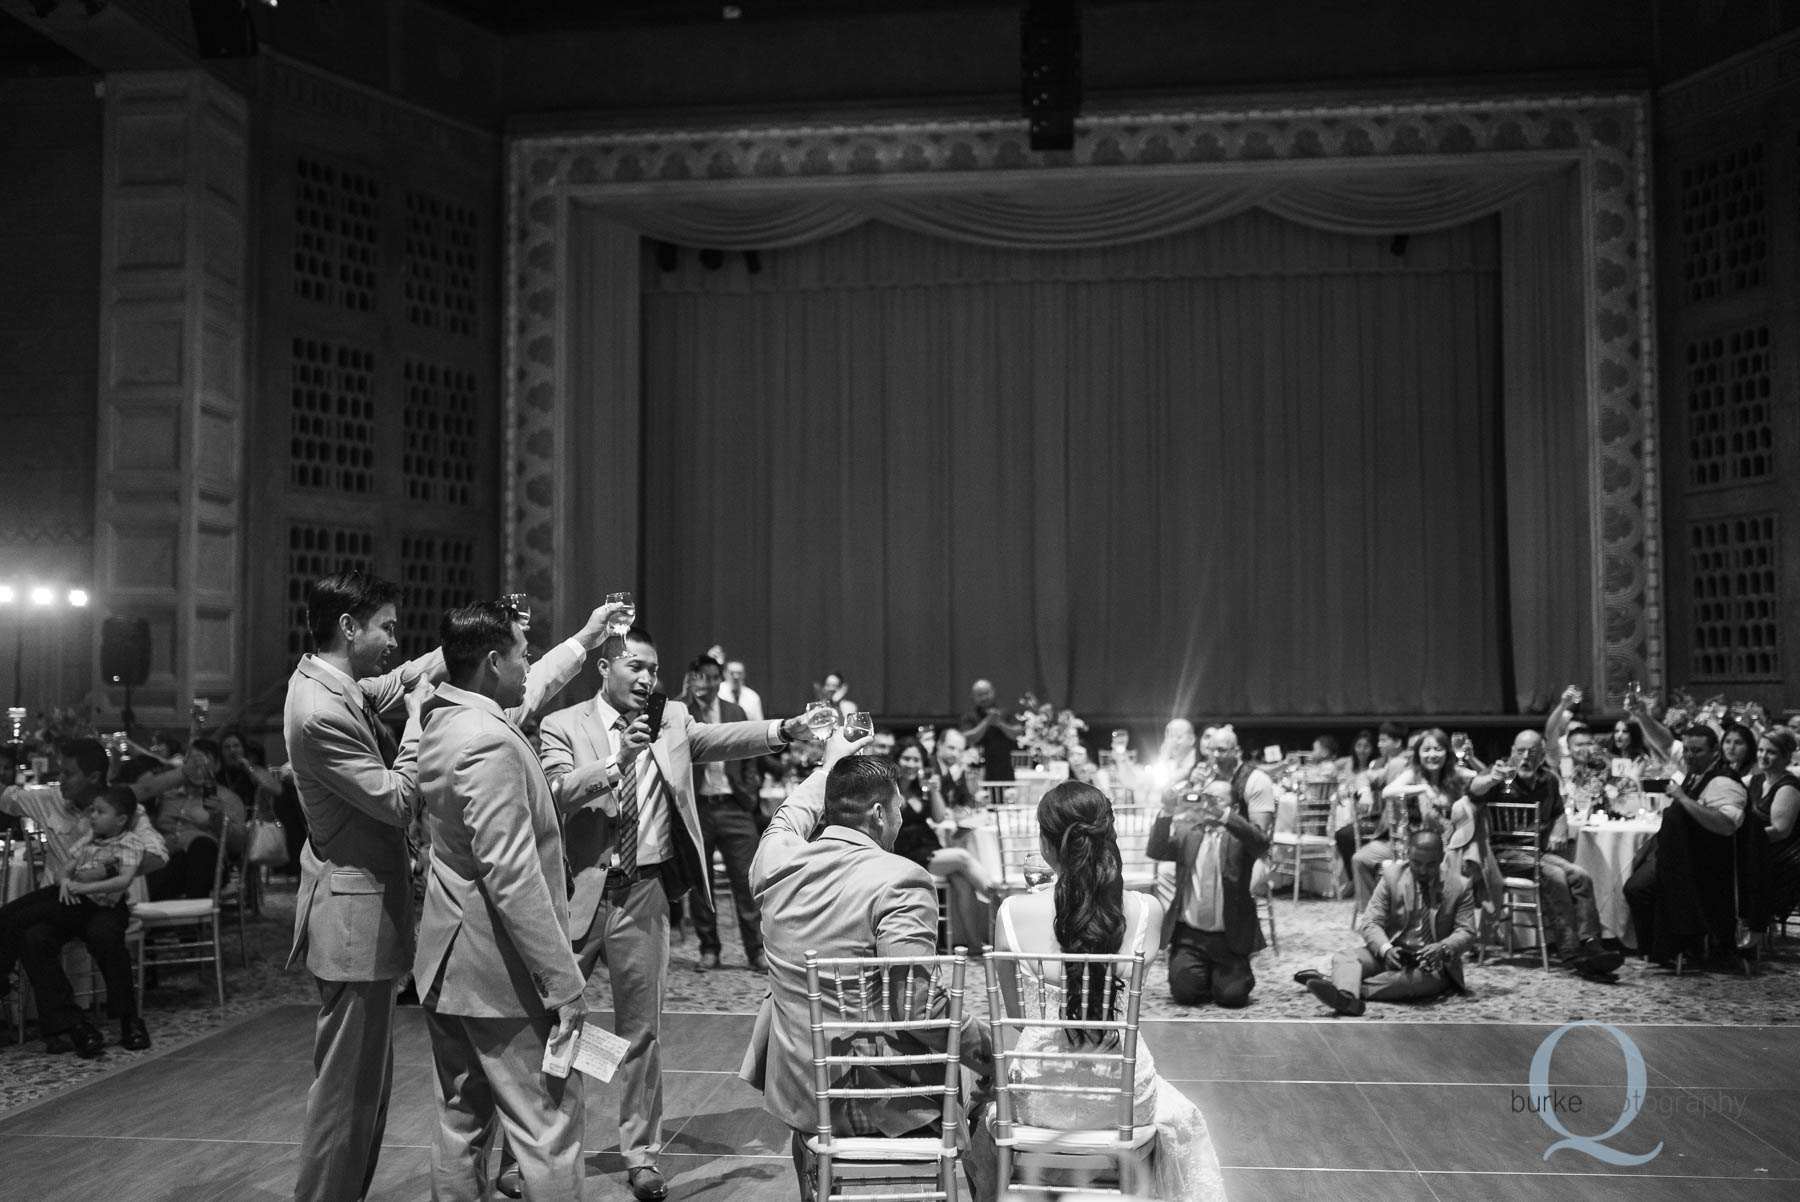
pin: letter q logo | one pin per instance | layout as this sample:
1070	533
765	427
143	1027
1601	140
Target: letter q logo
1592	1145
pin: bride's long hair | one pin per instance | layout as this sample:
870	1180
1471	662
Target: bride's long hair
1077	820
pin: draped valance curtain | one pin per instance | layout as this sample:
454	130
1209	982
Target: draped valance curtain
1206	447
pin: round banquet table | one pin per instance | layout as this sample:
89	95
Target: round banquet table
1605	850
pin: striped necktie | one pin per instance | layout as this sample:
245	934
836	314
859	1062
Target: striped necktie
626	847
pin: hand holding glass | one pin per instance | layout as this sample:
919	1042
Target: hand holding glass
822	718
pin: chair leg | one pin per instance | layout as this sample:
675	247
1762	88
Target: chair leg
218	963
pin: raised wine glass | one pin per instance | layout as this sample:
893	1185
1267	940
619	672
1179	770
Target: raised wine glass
622	621
859	725
822	717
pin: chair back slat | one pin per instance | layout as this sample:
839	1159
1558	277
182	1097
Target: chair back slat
854	1003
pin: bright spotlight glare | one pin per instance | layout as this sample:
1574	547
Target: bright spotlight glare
78	598
8	594
43	595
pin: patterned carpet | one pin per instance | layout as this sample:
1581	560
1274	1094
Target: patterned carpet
180	1009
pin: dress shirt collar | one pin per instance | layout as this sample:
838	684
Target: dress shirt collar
609	717
850	834
351	688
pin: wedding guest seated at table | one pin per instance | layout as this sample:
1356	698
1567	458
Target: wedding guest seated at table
1565	890
90	906
1774	806
1419	923
1216	845
844	893
1377	767
61	811
184	818
954	781
1089	912
925	824
1737	750
1681	887
1419	797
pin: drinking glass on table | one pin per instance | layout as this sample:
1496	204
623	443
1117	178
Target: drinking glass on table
822	718
623	620
859	725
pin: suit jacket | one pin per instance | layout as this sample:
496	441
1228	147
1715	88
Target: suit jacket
494	938
353	915
1395	902
1244	844
838	895
576	737
742	775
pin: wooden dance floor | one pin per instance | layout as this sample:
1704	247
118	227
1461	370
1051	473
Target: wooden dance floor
1327	1110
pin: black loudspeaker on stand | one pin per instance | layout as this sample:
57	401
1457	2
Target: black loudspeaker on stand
125	657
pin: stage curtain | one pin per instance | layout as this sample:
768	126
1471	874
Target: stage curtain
1249	469
1027	215
1548	509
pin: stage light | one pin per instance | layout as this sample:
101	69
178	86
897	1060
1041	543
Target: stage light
8	595
78	598
43	595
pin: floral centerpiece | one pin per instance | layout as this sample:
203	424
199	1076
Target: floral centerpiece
1047	733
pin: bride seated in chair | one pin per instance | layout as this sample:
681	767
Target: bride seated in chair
1089	912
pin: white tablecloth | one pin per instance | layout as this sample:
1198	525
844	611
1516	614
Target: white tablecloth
1605	850
18	876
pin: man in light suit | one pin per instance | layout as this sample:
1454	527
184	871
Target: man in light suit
353	915
845	893
1418	925
632	830
495	971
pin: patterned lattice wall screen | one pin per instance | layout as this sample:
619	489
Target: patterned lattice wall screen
315	550
1736	622
442	426
442	264
1730	408
1724	224
437	572
331	424
337	243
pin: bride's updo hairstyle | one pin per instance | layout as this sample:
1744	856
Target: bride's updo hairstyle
1077	820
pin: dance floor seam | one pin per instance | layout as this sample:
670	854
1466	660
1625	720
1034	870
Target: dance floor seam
1388	1112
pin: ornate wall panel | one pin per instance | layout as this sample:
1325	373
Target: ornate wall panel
176	218
377	361
1736	598
1607	136
1731	339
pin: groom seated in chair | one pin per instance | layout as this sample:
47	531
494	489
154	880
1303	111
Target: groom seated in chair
845	893
1418	925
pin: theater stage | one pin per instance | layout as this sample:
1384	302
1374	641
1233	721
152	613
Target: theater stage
1329	1109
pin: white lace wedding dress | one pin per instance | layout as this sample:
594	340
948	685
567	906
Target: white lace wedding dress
1186	1166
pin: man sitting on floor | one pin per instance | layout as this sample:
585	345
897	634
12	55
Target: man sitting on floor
1418	925
845	893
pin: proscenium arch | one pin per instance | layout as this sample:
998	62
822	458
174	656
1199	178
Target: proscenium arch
577	200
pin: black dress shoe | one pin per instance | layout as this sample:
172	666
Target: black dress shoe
647	1184
759	962
56	1045
1307	976
134	1036
1347	1004
88	1041
1595	959
509	1183
708	960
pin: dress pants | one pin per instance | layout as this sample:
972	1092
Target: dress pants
102	928
728	827
1359	973
353	1074
1566	892
1203	968
631	935
491	1069
18	916
189	872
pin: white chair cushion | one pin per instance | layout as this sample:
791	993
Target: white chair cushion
1077	1143
181	909
876	1147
